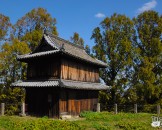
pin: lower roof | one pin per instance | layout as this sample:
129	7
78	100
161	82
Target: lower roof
62	84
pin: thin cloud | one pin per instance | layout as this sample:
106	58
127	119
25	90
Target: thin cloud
100	15
147	6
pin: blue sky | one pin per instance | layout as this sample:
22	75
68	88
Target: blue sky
80	16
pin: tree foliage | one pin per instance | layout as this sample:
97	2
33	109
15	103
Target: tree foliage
4	26
31	26
87	49
132	49
147	80
11	69
12	99
76	39
32	38
114	40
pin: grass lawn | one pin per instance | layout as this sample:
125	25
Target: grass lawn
92	121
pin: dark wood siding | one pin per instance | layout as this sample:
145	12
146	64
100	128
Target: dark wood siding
68	69
77	101
73	70
63	102
43	101
49	69
54	102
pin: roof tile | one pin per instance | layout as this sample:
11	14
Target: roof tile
69	49
62	83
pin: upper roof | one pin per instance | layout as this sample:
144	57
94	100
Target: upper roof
62	46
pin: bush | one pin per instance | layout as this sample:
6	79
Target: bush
12	99
12	123
131	126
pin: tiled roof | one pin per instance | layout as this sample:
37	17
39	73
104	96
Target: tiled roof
83	85
30	55
64	46
36	84
62	83
75	50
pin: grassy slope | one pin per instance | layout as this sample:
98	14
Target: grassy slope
93	121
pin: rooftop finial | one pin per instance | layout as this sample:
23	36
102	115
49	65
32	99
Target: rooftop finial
62	47
45	30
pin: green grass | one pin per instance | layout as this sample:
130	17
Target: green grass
126	121
92	121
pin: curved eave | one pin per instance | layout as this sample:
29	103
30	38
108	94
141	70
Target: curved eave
82	85
23	58
60	83
26	57
50	42
100	64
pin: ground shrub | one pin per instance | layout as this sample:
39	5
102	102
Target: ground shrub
36	124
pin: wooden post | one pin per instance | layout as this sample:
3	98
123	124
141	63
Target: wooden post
2	109
22	109
98	107
158	110
116	109
135	108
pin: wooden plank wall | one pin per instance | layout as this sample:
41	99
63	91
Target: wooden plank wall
78	101
63	102
45	70
71	70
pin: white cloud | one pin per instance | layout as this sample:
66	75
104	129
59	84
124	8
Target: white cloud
99	15
147	6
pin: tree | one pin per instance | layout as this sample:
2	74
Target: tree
12	71
76	39
4	26
31	26
147	79
10	68
32	38
114	45
13	98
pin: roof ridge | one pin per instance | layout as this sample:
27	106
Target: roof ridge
68	42
50	41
